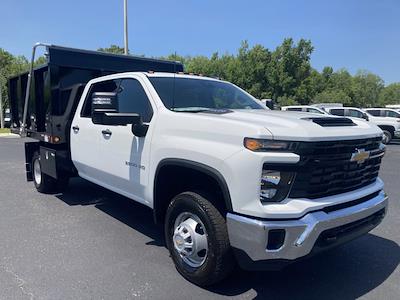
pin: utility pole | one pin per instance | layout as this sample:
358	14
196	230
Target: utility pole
1	109
126	51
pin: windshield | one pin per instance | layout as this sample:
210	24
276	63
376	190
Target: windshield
192	95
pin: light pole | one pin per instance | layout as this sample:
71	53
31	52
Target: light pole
1	109
126	51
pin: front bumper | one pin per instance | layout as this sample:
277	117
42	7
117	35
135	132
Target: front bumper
250	237
397	134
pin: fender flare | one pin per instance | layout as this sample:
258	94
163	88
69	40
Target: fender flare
207	170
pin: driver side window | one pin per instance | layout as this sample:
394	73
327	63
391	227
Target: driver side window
133	99
103	86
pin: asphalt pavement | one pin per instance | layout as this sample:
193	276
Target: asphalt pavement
89	243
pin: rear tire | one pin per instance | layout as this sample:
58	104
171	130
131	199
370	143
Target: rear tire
43	182
197	239
387	137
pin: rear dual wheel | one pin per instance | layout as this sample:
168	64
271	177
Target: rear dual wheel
43	182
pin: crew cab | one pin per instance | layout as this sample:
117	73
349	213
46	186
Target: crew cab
390	126
230	180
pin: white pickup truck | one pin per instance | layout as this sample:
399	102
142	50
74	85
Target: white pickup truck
232	181
390	126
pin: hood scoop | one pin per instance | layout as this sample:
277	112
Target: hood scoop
331	121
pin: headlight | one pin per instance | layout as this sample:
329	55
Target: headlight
275	185
262	145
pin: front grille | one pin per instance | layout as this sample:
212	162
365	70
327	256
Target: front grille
325	168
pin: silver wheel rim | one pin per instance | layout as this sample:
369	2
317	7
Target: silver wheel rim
385	139
37	173
190	239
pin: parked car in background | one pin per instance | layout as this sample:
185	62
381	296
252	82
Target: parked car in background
390	126
383	112
351	112
304	108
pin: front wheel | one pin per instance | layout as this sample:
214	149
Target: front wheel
387	137
197	239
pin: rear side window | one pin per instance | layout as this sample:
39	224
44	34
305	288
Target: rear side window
337	112
294	109
104	86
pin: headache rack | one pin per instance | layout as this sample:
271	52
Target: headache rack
43	100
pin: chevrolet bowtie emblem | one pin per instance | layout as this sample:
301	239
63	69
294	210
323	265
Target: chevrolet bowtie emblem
360	156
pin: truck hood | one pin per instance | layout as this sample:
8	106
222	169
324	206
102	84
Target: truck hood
284	125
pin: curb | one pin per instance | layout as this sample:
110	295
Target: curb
9	135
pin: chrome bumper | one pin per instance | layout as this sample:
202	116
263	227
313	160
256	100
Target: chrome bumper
251	235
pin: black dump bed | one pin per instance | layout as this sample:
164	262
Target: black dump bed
56	86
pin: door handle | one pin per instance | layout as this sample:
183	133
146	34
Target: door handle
75	129
106	132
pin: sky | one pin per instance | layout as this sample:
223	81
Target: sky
352	34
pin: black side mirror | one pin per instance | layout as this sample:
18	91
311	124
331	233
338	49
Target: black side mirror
140	130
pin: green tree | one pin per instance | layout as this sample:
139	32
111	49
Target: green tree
283	74
10	66
333	96
112	49
390	94
290	67
366	89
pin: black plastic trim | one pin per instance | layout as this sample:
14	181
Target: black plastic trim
216	175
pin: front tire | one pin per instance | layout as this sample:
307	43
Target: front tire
387	137
43	182
197	239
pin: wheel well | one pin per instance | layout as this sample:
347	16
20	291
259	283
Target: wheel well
388	128
176	177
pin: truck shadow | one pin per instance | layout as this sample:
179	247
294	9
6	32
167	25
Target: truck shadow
135	215
347	272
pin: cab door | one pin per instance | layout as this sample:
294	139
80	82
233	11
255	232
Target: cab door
85	136
125	157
